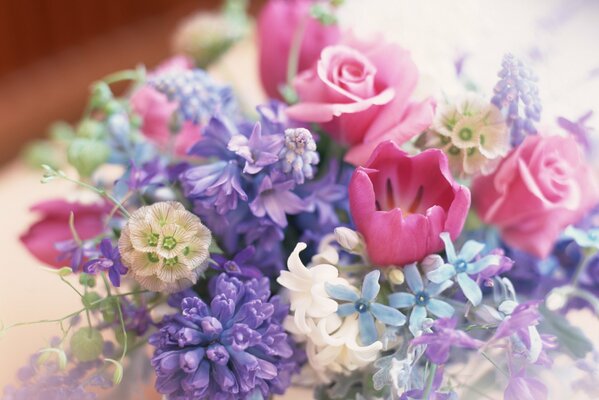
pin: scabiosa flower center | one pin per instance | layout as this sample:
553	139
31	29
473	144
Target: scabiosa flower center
170	262
422	298
460	266
362	306
153	239
465	133
153	257
169	242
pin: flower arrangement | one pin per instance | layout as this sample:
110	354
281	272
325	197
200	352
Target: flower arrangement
349	235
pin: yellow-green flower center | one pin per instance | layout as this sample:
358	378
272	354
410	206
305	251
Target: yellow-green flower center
153	239
169	242
153	257
465	133
454	151
170	262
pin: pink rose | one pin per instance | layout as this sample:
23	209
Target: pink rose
53	227
402	203
361	92
541	187
155	110
278	23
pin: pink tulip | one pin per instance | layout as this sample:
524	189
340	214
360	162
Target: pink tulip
278	23
53	227
402	203
361	93
156	111
539	189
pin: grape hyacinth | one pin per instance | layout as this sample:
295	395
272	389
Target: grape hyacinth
517	95
198	96
234	347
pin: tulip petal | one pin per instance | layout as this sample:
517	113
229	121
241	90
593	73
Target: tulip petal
470	289
370	286
387	315
368	333
341	292
440	308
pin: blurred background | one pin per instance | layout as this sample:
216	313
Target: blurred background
52	50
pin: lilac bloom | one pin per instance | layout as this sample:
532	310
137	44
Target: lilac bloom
521	387
505	264
422	299
276	199
75	252
443	337
108	261
149	173
240	265
258	150
365	307
273	116
461	265
215	185
435	394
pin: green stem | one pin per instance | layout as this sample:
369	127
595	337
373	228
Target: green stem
580	269
101	192
71	286
429	382
127	75
125	339
494	364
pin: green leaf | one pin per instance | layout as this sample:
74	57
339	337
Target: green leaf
117	376
571	338
60	354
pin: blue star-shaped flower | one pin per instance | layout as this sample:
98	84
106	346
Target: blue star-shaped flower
588	238
461	265
365	306
422	299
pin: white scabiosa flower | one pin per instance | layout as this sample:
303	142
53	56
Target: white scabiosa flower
473	134
165	247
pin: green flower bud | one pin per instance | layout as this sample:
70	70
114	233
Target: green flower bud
87	154
101	94
113	106
87	280
91	300
61	131
86	344
91	129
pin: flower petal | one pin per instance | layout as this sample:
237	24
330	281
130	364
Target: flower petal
441	274
387	315
483	263
416	318
368	333
346	309
470	249
440	308
341	292
370	286
402	300
413	278
434	289
449	249
470	289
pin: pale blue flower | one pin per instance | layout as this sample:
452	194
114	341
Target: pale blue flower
462	265
588	238
422	299
365	306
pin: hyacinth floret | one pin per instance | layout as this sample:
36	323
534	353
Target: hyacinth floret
233	347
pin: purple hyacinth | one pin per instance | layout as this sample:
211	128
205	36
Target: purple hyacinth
241	264
259	150
108	261
444	336
276	200
299	156
232	348
199	97
522	387
49	382
517	95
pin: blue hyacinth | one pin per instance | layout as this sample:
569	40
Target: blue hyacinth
517	95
